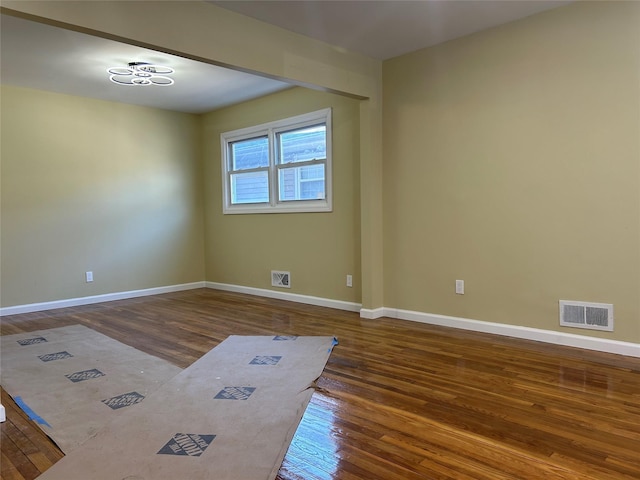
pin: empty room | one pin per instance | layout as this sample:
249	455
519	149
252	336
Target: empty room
320	240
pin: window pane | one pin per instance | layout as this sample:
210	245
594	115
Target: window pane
302	183
250	187
250	153
308	143
279	166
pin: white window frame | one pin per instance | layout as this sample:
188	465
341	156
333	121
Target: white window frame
271	130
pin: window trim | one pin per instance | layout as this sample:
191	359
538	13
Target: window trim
270	130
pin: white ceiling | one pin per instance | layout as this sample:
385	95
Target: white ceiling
44	57
39	56
384	29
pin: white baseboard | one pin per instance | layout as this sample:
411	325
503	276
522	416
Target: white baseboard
526	333
74	302
292	297
373	314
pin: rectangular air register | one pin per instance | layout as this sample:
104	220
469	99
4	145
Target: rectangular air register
280	279
594	316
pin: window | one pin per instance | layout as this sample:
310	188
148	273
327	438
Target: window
277	167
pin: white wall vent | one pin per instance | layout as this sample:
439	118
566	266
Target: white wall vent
280	279
595	316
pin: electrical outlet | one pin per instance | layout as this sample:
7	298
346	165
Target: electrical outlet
349	280
88	277
460	287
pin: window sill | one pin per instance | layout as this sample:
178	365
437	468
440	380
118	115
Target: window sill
294	207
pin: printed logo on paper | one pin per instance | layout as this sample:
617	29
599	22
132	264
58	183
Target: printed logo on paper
124	400
189	444
32	341
84	375
285	337
265	360
235	393
50	357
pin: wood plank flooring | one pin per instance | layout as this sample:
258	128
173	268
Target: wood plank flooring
397	400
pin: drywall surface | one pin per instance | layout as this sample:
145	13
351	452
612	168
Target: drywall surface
319	249
512	161
89	185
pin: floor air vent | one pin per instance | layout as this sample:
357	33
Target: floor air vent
595	316
280	279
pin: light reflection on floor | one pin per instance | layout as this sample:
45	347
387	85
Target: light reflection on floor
314	450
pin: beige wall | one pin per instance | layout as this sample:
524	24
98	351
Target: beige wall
201	30
512	161
511	157
319	249
100	186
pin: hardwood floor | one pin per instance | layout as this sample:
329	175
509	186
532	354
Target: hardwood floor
397	400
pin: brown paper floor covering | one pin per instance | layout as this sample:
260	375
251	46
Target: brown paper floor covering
73	380
229	416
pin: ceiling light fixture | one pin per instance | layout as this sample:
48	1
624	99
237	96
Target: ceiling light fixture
142	74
